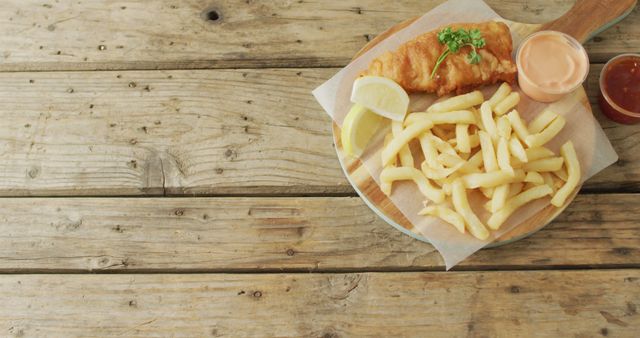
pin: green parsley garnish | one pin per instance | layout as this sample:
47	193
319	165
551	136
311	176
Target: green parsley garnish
456	40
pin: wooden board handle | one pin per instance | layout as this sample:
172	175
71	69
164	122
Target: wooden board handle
587	18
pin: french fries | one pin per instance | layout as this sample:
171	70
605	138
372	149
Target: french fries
504	157
389	175
541	121
517	150
545	164
429	150
488	153
486	114
541	138
473	164
403	138
503	91
492	179
458	102
534	177
446	215
498	218
386	186
471	144
499	198
573	171
507	103
461	204
406	159
447	117
504	127
538	153
518	125
548	180
463	143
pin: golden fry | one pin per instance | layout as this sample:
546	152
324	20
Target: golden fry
406	159
498	218
508	103
538	153
403	139
573	170
503	91
429	150
541	121
548	180
517	150
504	157
473	164
500	194
458	102
545	164
461	204
389	175
449	117
444	214
439	173
488	123
504	127
518	125
450	161
462	138
548	133
386	186
534	177
488	153
492	179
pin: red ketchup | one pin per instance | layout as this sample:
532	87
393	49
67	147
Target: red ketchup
620	89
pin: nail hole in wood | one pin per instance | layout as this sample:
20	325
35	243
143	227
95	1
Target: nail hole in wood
211	15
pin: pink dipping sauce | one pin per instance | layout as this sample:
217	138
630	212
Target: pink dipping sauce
550	65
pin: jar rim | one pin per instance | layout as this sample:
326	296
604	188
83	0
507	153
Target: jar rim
572	41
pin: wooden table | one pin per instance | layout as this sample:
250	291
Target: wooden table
165	171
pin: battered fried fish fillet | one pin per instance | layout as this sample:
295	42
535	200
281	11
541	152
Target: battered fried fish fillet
411	65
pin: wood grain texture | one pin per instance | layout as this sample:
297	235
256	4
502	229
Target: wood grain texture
495	304
126	133
165	34
283	234
194	132
588	17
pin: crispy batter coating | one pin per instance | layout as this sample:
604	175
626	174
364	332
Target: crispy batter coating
411	65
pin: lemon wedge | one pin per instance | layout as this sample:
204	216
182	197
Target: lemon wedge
358	128
382	96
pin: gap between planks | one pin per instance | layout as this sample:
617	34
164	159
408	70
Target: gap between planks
295	271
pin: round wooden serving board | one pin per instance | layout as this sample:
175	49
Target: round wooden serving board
586	19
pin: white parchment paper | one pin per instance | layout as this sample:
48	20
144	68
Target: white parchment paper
592	146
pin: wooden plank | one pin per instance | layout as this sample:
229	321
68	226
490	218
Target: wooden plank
291	234
164	34
193	132
128	133
497	304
